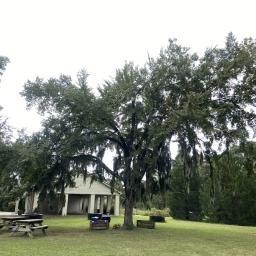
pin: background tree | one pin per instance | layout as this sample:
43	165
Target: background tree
5	147
234	185
3	63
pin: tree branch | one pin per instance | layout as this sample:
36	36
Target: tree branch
122	140
95	159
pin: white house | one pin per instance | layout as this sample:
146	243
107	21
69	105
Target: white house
85	197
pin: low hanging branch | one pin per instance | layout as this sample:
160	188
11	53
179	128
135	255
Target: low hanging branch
93	159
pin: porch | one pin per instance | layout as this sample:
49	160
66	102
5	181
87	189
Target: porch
91	203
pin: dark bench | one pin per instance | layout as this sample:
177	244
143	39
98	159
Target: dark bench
145	224
157	218
98	216
106	217
91	215
99	225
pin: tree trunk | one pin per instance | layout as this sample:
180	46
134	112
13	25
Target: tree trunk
129	185
163	197
128	213
212	186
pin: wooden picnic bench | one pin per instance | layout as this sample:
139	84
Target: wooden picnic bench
28	226
145	224
9	222
99	225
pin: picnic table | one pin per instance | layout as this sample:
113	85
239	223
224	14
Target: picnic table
28	226
10	221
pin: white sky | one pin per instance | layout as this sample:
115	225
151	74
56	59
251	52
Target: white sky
48	37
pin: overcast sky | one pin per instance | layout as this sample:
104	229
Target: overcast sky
47	37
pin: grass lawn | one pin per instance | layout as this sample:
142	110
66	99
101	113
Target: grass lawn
69	236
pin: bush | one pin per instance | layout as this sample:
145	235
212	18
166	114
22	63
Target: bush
7	206
153	211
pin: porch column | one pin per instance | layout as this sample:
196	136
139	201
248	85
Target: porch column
17	205
35	202
101	203
117	202
65	207
92	203
84	204
97	203
87	200
26	204
109	202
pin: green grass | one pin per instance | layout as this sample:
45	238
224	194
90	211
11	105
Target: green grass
69	236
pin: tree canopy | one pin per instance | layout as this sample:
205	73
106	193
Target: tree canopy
3	63
198	102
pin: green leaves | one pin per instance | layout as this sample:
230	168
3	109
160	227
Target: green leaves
3	62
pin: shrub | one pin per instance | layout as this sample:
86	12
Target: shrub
153	211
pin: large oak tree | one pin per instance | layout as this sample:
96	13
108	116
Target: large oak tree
137	114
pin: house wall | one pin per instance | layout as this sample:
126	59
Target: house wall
86	187
83	198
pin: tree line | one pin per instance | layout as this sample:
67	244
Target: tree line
177	97
222	191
